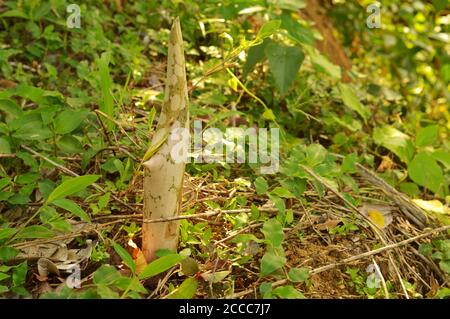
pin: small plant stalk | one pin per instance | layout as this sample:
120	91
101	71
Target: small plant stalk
164	163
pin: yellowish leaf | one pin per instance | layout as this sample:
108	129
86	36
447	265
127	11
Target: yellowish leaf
434	206
380	215
377	217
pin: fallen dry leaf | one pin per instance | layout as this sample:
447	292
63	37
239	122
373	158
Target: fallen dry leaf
329	224
380	215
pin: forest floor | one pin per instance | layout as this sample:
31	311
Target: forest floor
359	208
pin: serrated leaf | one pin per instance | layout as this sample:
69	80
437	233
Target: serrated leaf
71	186
284	64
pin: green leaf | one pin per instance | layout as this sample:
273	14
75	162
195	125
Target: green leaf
298	274
427	135
440	4
443	157
106	275
261	185
296	31
288	292
410	189
3	289
284	64
4	182
7	232
72	207
186	290
106	292
269	28
268	115
445	266
11	108
14	14
278	202
443	293
322	64
106	105
125	256
426	249
424	171
445	73
215	277
395	141
350	99
69	144
255	55
19	274
7	253
68	121
271	261
273	232
266	290
71	186
5	148
35	231
160	265
282	192
315	155
31	129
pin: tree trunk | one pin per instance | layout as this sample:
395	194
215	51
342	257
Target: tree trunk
163	172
